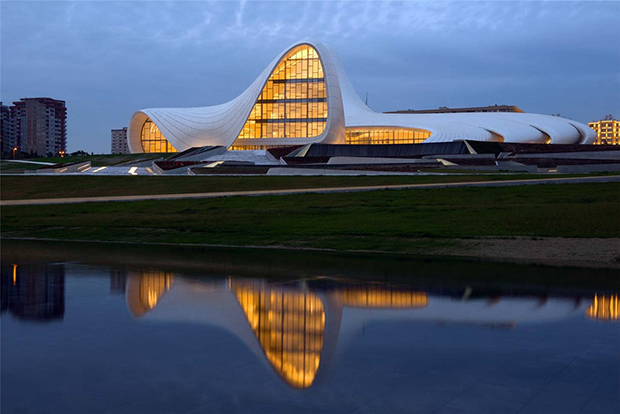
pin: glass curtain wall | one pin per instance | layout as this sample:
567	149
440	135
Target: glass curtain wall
370	135
293	103
153	140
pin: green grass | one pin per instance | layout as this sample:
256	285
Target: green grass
29	187
99	159
396	221
17	167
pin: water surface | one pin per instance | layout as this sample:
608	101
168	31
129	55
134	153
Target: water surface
116	329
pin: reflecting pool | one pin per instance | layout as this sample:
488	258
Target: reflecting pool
147	329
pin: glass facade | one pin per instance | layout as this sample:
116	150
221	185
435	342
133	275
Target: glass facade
290	327
293	103
153	140
385	135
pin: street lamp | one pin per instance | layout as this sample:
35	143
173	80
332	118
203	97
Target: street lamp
14	151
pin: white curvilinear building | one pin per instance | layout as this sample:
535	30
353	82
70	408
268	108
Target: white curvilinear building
304	96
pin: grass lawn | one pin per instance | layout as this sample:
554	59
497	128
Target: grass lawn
29	187
17	167
397	221
100	159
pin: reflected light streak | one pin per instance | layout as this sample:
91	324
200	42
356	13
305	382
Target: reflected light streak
379	297
14	274
604	308
153	286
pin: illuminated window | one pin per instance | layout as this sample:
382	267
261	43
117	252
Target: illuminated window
153	140
293	103
381	297
607	132
384	135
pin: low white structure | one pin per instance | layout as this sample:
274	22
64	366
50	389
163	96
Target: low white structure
304	96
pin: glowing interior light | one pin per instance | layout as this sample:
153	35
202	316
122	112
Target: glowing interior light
152	140
293	102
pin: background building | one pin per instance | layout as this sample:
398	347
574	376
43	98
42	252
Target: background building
40	126
119	141
8	139
607	131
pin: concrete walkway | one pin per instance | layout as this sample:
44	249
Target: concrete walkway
506	183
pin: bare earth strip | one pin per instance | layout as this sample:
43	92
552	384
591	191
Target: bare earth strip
601	253
507	183
558	251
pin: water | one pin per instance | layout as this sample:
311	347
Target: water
90	328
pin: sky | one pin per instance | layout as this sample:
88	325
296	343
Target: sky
109	59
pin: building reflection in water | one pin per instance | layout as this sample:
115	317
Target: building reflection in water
604	308
146	289
33	292
381	297
118	282
289	325
296	327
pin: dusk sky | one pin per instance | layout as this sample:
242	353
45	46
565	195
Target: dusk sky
109	59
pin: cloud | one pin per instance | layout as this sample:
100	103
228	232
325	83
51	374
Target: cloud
107	59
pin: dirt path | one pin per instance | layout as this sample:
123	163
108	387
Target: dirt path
507	183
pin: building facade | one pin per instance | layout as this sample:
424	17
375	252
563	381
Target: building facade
607	131
119	141
40	126
304	96
8	138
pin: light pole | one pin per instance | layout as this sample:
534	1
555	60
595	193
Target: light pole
14	152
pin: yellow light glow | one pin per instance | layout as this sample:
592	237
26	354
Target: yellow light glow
385	135
153	286
607	132
14	274
293	102
382	297
153	140
132	171
290	327
604	308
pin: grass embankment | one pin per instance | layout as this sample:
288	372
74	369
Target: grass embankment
408	221
35	187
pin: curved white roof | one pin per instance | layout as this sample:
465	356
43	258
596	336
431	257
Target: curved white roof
221	124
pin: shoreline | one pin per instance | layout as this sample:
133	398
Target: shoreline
594	253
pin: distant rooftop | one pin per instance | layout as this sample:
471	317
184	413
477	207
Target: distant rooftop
446	110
